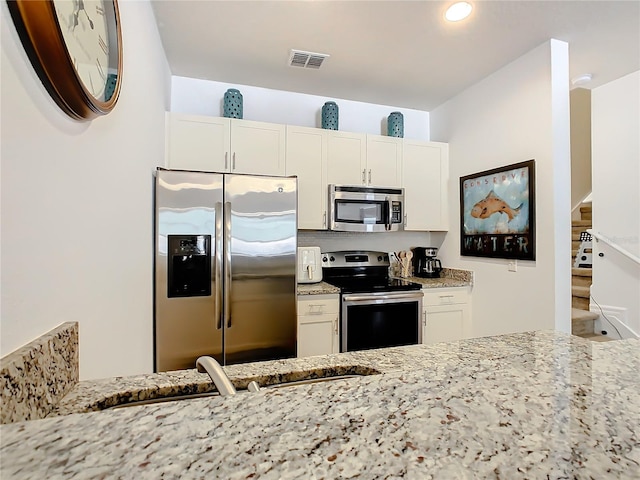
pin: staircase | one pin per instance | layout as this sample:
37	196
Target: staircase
582	320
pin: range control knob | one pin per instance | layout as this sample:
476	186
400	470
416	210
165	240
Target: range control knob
379	258
332	258
324	259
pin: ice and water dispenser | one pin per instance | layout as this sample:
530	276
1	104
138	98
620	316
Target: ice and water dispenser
189	265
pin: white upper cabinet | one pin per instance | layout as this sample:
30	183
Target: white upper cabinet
319	158
346	158
196	142
257	147
384	161
425	178
306	155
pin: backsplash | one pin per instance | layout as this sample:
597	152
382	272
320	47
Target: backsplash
383	242
35	377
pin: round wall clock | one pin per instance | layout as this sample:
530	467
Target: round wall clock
75	47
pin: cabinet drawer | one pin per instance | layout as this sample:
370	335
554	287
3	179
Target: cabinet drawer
318	305
308	319
438	296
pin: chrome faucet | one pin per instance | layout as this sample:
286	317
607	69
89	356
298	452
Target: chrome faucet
218	377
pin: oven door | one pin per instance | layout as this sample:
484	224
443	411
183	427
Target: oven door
377	320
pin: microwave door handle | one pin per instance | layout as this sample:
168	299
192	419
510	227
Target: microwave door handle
388	225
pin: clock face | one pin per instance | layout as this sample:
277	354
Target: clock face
75	47
86	34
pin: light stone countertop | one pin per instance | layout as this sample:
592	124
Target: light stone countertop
320	288
531	405
449	278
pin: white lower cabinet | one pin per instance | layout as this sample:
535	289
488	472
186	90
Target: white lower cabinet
318	328
446	314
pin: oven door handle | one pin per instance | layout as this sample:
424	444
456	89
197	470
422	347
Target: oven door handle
385	296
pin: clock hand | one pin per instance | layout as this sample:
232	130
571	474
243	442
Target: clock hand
81	7
74	15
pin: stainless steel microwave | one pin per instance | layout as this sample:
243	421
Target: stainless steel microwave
355	208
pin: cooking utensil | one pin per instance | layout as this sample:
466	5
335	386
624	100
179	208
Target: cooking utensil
409	256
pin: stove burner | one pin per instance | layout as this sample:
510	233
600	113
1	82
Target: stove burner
362	272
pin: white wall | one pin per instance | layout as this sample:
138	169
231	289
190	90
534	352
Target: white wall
518	113
580	147
615	110
204	97
77	205
383	242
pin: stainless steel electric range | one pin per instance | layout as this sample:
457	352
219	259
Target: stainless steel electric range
377	310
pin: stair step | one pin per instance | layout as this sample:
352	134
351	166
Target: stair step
581	223
582	292
580	303
582	322
594	337
578	281
582	272
583	315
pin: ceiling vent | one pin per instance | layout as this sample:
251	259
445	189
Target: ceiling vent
299	58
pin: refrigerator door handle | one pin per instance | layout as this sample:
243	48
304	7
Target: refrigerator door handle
227	263
218	265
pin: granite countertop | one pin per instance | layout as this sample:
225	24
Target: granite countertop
320	288
442	282
530	405
448	278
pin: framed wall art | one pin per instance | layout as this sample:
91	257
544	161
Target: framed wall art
497	212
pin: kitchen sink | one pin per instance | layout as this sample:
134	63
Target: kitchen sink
174	398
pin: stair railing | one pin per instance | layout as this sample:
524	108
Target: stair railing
614	245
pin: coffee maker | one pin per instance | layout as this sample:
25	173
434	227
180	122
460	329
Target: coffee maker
425	263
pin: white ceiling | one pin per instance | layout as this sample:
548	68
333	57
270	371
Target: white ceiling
398	53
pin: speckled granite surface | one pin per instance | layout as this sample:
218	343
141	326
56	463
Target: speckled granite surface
449	277
320	288
535	405
35	377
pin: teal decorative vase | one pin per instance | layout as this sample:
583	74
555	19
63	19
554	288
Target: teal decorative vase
110	87
330	116
395	125
233	103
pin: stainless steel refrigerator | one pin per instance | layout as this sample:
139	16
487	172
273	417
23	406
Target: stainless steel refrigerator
225	268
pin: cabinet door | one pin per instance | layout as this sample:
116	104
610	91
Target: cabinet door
346	158
306	157
445	323
317	335
257	147
384	161
196	142
425	172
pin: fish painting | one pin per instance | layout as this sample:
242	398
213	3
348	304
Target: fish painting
491	204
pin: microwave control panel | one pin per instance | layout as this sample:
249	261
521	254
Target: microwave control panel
396	212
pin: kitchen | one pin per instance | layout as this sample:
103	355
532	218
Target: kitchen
81	208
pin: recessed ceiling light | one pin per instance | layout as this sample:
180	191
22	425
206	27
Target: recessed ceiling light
458	11
581	79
